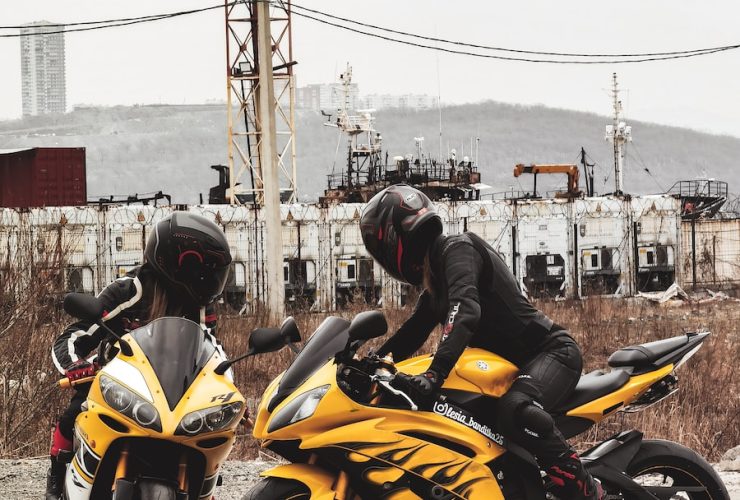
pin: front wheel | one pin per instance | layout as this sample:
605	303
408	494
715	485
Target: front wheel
151	489
278	488
673	472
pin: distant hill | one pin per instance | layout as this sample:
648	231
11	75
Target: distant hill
149	148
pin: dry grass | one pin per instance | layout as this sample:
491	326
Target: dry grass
703	415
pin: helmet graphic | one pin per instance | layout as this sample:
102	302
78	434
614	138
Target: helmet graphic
398	225
192	254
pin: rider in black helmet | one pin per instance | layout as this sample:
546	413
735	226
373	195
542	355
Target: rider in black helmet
186	264
469	290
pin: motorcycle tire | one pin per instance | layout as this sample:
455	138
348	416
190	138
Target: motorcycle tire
661	461
278	488
155	490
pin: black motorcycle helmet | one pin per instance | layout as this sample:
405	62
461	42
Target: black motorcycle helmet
398	225
191	253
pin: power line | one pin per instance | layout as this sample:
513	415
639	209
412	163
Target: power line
109	23
516	51
630	58
699	52
645	168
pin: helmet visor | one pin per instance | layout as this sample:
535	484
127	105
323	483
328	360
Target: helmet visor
202	275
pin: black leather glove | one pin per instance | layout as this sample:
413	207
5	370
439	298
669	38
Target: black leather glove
420	388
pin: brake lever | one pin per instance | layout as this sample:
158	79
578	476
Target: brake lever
386	385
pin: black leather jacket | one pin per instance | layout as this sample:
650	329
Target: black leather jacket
478	302
126	303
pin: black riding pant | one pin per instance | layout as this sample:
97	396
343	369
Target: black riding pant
546	380
67	420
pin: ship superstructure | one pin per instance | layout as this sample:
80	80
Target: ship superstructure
368	171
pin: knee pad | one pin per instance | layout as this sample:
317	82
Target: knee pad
521	417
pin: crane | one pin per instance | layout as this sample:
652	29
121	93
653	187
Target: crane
570	169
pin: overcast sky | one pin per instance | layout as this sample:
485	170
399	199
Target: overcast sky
182	60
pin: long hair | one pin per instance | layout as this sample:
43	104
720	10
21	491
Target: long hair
159	296
429	280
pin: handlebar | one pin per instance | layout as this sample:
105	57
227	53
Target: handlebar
66	383
377	374
396	392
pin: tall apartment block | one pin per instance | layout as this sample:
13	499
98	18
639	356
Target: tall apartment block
42	69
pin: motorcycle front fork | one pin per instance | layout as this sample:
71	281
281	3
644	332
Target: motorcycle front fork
122	469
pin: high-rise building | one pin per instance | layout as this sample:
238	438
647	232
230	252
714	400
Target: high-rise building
42	69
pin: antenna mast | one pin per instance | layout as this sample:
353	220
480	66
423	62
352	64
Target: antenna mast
619	133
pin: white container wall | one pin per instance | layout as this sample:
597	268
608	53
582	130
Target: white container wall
543	243
555	247
602	246
656	223
717	258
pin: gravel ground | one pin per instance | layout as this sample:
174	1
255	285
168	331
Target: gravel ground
25	479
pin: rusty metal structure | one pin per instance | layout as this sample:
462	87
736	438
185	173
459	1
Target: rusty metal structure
248	132
573	191
700	198
367	171
261	122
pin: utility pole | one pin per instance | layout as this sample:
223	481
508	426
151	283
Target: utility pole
269	162
619	133
261	129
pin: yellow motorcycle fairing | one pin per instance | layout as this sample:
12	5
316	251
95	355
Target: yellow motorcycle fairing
335	407
389	446
604	406
382	458
318	481
100	425
373	440
477	371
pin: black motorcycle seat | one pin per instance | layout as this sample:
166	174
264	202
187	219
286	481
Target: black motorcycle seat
646	354
592	386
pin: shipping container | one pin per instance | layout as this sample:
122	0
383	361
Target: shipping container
590	246
42	177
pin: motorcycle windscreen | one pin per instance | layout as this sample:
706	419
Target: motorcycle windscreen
177	350
329	338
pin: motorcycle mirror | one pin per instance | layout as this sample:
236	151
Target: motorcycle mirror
261	340
368	325
265	340
83	306
289	330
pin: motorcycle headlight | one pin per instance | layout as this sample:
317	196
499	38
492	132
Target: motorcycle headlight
302	407
212	419
129	404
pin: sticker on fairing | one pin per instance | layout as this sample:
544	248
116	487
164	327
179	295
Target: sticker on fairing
458	415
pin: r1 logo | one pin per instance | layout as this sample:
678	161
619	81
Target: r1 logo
224	398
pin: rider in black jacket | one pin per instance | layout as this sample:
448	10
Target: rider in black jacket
469	290
186	265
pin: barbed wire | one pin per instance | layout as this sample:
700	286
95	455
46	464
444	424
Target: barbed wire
87	234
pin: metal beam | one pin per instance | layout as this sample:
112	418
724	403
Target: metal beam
269	161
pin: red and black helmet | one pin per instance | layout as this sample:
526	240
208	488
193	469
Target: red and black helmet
398	225
192	254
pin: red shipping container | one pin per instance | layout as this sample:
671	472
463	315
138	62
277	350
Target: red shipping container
42	177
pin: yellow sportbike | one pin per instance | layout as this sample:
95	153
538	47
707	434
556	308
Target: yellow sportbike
349	434
161	415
